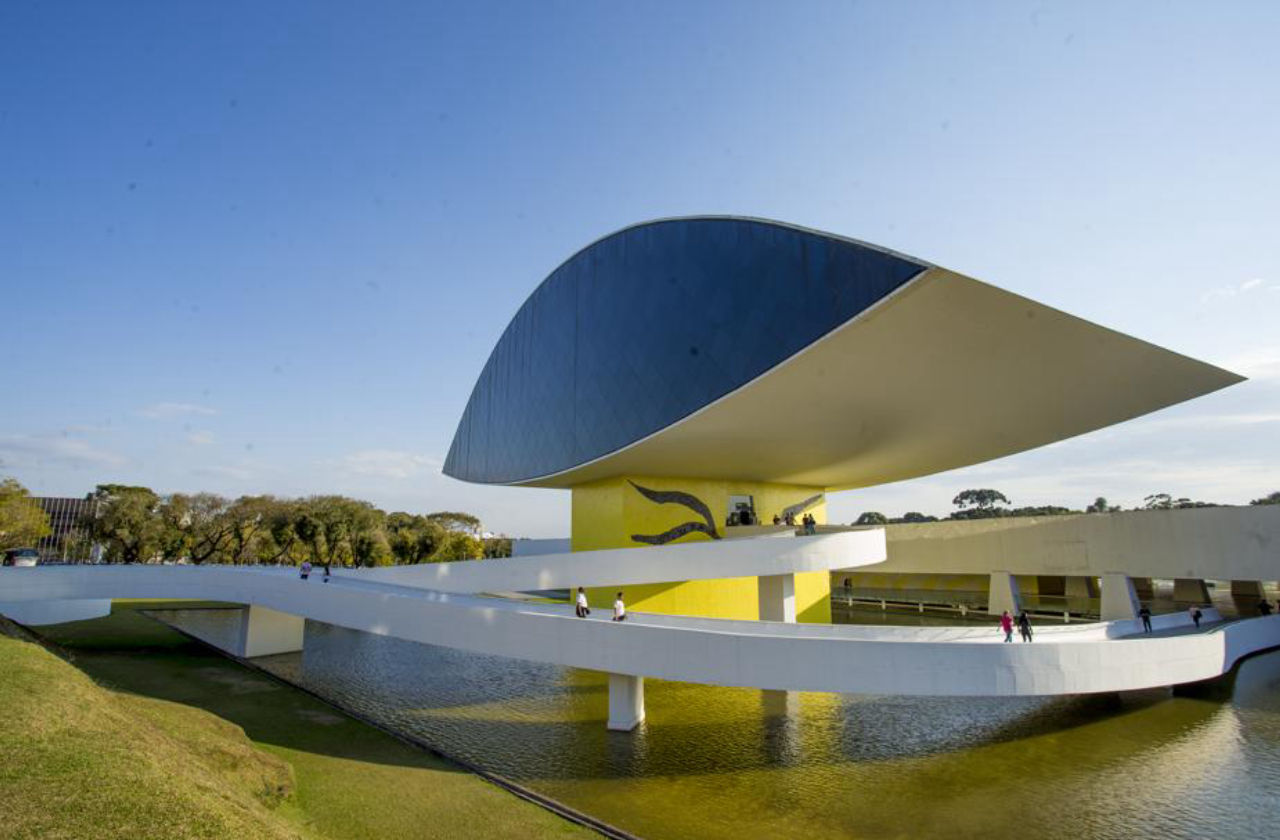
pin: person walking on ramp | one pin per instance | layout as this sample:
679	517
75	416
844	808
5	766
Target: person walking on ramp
1145	615
1024	626
1006	624
619	609
581	609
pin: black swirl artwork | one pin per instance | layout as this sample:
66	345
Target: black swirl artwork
676	497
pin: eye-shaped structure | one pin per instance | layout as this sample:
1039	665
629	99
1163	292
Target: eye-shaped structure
752	350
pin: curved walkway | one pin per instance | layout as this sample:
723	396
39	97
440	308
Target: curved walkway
954	661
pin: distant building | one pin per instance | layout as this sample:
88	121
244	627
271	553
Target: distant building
69	541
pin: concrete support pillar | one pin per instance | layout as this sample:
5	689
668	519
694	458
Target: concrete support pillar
1119	600
777	594
264	632
1190	590
776	703
1002	594
1081	587
1247	588
626	702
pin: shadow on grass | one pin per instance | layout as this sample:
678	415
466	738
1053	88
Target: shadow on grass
128	651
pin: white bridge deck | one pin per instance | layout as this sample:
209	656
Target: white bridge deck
408	603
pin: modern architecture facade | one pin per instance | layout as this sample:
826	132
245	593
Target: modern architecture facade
690	379
679	372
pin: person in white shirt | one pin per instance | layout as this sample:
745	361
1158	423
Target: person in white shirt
619	609
581	609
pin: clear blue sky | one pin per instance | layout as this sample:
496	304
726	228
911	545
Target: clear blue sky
267	247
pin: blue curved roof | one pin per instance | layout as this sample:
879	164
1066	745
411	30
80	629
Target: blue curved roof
646	326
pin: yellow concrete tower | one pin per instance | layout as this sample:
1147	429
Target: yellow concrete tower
638	511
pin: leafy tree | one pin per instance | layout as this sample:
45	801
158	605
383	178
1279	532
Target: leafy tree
22	521
872	517
456	521
175	536
370	548
1042	510
128	523
914	517
979	499
198	527
980	504
1100	505
457	546
1273	499
497	547
249	523
1163	501
413	539
337	528
282	540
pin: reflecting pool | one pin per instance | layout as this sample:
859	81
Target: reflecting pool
743	763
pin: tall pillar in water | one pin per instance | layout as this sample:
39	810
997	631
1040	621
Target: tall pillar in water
264	632
1190	590
1002	594
626	702
1119	600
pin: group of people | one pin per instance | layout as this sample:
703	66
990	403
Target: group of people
1024	625
807	522
304	571
582	610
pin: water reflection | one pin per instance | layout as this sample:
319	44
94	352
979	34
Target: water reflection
733	763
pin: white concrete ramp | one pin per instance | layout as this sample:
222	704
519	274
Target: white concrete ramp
947	661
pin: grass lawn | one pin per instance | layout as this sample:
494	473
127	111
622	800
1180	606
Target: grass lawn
171	740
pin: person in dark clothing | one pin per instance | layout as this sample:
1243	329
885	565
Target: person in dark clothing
1196	615
1145	615
1264	607
326	571
1024	626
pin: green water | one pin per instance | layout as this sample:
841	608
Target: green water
739	763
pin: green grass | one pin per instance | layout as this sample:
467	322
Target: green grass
176	741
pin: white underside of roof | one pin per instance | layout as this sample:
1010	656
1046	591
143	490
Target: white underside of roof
946	372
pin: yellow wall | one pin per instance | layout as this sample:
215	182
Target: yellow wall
606	514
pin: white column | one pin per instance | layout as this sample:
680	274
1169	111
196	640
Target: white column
1119	600
777	594
626	702
1003	594
264	632
1190	590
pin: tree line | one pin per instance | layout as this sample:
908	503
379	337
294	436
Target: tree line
992	504
22	521
138	525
